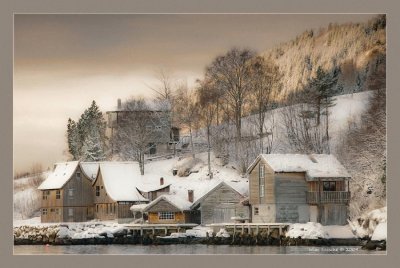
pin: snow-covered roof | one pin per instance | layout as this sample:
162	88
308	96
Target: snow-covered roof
90	169
314	165
175	200
151	187
199	200
60	175
138	207
120	180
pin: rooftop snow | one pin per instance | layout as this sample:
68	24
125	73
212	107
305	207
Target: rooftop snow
151	187
314	165
60	175
120	180
175	200
90	169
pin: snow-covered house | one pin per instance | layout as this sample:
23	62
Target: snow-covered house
115	191
222	203
151	192
67	194
298	188
171	208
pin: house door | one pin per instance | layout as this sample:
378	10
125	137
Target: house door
223	215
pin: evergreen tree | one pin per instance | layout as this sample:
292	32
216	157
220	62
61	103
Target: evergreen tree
87	138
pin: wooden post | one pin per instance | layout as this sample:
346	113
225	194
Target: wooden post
153	230
248	228
267	230
258	229
166	230
141	230
242	229
280	230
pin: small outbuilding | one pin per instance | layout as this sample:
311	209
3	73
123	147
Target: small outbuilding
170	209
221	204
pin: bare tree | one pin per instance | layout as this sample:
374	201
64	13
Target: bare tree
185	110
208	101
231	74
134	133
265	84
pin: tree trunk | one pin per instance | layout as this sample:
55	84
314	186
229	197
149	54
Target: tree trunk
191	141
209	152
327	131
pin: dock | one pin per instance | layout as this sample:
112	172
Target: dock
166	228
255	228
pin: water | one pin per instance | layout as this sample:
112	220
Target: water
188	249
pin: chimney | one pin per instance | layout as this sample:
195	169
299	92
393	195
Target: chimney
190	196
161	181
119	106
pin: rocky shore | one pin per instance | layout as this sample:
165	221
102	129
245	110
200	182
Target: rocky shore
96	234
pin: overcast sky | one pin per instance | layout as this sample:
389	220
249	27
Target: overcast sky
63	62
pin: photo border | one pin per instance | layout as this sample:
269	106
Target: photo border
9	7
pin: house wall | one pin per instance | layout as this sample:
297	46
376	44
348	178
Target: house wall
254	186
104	207
222	204
291	198
179	218
333	214
75	202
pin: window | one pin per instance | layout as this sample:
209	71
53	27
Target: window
70	212
46	194
44	211
97	190
71	193
78	176
261	181
52	210
57	211
262	171
166	215
256	211
158	127
329	186
97	208
58	194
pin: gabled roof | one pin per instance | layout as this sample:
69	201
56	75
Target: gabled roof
175	200
60	175
315	165
201	199
90	169
120	180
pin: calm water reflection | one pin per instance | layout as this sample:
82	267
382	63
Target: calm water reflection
188	249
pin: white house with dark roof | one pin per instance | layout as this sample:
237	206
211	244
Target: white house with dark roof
298	188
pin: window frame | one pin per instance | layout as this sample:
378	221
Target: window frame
256	211
58	194
166	215
70	212
97	190
329	186
44	211
261	181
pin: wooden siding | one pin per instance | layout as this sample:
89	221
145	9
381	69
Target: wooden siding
179	218
75	202
222	204
53	214
290	188
333	214
124	209
103	198
254	191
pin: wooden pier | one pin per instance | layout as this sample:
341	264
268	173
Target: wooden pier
166	228
255	228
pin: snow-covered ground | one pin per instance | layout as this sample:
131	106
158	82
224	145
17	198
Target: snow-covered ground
312	230
371	225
